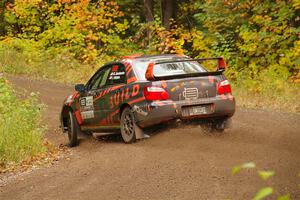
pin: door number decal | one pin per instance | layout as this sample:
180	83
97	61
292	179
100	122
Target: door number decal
86	107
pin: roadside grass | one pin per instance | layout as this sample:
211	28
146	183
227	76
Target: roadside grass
21	134
268	90
285	99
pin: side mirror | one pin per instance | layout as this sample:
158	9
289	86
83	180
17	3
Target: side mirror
80	88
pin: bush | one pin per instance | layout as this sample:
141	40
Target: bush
21	135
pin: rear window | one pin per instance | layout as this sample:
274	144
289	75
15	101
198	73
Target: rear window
168	69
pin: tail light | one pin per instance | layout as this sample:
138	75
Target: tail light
153	93
223	87
221	64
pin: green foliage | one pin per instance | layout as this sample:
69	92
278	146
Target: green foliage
85	28
260	41
256	34
263	193
264	175
248	165
68	40
284	197
20	130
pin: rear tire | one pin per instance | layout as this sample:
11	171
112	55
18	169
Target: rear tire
219	126
128	126
73	129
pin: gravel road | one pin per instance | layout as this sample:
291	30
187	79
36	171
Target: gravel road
175	163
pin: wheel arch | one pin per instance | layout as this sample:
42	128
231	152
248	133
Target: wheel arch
123	106
64	117
139	133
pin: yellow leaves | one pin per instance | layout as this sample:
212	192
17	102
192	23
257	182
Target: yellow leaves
91	36
32	2
296	4
261	19
297	48
175	40
77	25
66	1
168	41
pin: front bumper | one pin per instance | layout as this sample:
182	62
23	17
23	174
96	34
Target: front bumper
156	112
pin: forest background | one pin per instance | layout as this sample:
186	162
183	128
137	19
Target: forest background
68	40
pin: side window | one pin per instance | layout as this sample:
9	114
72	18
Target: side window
100	79
95	82
113	75
104	78
117	75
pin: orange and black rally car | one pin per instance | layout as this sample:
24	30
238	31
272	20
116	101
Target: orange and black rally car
142	91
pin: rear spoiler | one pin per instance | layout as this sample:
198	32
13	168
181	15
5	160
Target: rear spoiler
221	67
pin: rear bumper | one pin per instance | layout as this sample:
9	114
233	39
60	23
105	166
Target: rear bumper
152	113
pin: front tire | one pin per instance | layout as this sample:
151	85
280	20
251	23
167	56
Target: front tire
128	126
73	129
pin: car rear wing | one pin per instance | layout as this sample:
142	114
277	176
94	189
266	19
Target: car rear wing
220	68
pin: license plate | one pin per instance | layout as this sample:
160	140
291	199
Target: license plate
195	110
198	110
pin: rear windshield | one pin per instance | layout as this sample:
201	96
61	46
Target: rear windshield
168	69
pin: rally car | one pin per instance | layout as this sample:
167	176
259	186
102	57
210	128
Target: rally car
138	92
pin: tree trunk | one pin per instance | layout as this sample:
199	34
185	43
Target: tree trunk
148	8
149	14
168	11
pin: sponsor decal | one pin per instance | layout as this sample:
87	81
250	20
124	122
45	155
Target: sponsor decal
190	93
116	75
82	102
124	94
86	107
87	114
135	90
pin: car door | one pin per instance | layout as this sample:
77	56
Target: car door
92	103
115	97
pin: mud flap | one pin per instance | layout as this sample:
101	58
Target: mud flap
139	133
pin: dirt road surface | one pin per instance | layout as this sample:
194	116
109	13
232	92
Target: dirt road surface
181	163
